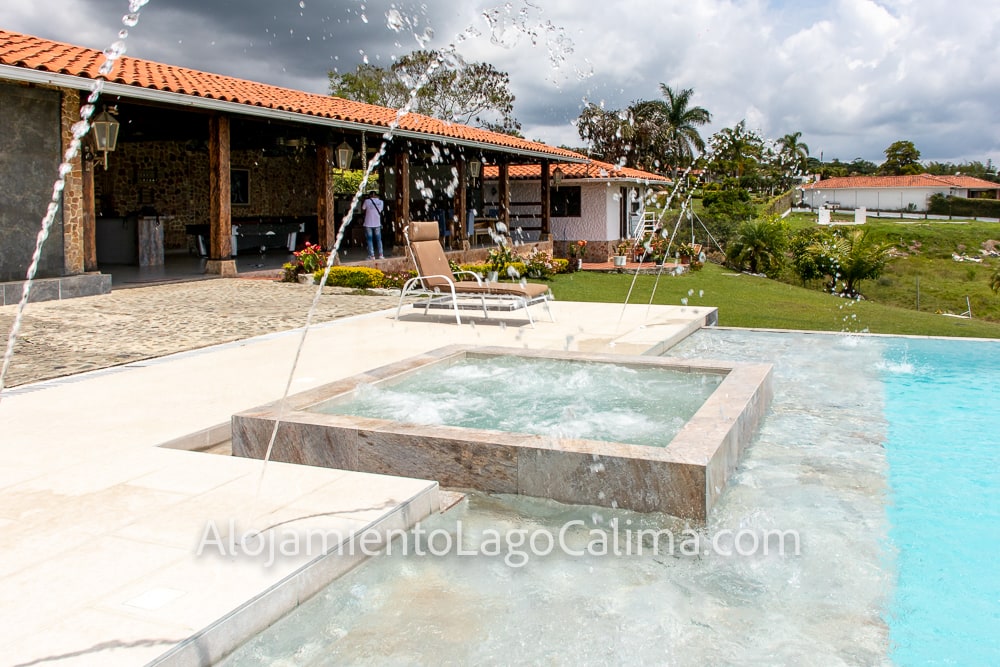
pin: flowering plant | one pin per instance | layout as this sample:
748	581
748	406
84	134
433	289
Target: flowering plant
538	264
577	248
623	247
500	258
656	246
312	258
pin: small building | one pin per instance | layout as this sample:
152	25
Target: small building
597	202
893	193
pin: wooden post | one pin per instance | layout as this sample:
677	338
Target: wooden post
546	202
504	195
460	238
89	218
326	225
402	216
220	204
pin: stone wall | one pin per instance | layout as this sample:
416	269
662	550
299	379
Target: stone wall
73	191
172	179
29	162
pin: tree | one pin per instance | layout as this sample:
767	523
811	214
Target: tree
862	167
610	133
737	152
445	86
901	157
995	282
792	152
759	246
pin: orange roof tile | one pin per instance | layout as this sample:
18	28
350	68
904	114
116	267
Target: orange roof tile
911	181
593	169
27	51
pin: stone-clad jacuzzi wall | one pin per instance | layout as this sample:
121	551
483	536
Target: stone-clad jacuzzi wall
683	478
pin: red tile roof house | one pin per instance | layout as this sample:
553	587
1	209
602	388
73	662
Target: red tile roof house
597	202
202	150
892	193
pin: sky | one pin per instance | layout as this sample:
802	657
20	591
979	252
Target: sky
853	76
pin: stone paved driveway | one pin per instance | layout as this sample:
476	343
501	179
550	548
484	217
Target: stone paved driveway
61	338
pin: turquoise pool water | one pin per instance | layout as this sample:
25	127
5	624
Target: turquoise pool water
944	505
881	453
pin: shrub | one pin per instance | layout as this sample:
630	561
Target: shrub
759	246
396	280
360	277
560	265
290	272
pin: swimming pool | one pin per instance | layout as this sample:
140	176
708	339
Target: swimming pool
837	460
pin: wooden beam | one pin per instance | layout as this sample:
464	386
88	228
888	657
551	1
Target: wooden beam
402	214
220	203
461	205
89	205
326	225
546	201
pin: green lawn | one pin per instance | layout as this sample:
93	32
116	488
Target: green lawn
748	301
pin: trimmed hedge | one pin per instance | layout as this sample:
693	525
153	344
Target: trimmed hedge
361	277
964	208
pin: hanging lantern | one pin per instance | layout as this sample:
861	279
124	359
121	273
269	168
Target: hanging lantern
344	155
104	134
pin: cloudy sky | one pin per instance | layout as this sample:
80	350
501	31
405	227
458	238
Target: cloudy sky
851	75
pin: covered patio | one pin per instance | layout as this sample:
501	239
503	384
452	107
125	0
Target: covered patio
205	170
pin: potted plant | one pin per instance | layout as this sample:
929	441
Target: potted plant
684	253
658	248
577	249
620	258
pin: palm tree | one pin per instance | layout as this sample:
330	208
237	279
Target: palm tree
759	246
672	126
793	152
855	256
682	126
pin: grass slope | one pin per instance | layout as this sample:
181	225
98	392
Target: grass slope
749	301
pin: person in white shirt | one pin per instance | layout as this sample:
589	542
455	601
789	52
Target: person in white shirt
373	208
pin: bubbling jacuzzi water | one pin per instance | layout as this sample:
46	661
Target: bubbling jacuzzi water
549	397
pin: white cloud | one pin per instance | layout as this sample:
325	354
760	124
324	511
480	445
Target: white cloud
852	75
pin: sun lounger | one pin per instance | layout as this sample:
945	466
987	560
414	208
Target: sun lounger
436	280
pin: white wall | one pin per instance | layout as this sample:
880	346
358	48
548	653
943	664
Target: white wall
884	199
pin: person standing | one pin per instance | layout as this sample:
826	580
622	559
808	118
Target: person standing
374	208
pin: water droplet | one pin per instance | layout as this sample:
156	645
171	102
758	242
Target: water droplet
394	20
130	20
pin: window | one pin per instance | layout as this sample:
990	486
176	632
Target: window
239	186
564	202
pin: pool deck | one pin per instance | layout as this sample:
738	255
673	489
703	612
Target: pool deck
101	524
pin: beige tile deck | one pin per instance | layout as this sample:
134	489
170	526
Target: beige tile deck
99	524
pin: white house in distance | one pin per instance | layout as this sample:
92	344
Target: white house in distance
893	193
597	202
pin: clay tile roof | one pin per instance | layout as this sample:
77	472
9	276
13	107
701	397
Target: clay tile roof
911	181
593	169
27	51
